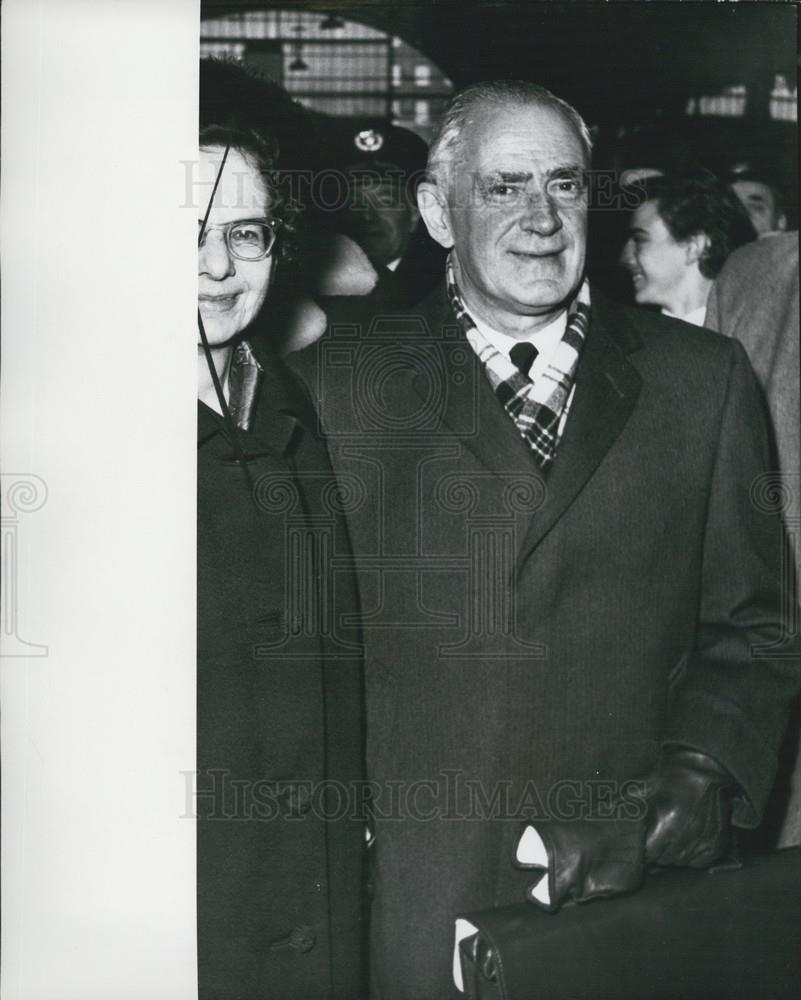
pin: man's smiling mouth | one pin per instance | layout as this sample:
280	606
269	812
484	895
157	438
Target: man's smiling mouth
536	254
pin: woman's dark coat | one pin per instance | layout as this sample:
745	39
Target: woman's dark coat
279	713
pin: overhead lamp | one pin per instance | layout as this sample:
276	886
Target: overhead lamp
298	64
331	23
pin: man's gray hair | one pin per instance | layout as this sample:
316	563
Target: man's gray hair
448	139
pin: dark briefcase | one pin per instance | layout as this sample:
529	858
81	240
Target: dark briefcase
686	935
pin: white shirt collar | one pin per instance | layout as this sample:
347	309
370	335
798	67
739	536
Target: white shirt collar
695	316
543	339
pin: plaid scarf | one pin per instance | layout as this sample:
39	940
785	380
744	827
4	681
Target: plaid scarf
536	407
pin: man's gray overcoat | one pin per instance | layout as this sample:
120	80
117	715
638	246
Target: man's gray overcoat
531	642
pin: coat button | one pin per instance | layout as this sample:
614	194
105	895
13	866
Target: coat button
297	800
303	800
302	939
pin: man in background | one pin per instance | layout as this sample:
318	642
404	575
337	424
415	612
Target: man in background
762	200
755	300
383	165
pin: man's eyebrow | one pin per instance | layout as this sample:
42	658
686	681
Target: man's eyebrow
520	176
508	176
568	170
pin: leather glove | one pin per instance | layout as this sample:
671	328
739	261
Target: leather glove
689	810
588	859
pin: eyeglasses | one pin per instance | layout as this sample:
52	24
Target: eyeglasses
246	239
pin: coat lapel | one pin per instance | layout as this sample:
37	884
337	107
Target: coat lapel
281	408
280	411
607	388
467	406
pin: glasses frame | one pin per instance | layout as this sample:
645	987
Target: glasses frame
272	226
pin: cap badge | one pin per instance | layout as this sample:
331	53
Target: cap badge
369	140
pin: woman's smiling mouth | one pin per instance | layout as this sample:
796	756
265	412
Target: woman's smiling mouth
218	303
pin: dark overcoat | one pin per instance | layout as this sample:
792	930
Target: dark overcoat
279	714
531	642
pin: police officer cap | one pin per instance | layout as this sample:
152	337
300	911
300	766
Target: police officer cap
373	145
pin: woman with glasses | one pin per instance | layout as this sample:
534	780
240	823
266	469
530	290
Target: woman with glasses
279	726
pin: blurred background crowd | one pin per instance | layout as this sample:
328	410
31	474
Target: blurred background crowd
693	115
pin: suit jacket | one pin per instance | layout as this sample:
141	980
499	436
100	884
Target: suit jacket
531	643
755	300
279	713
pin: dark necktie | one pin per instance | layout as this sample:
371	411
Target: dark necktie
523	355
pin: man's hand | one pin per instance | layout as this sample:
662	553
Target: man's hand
587	859
689	810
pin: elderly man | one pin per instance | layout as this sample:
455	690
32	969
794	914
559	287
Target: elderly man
679	238
565	584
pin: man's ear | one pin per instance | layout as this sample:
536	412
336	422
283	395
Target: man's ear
781	222
434	209
697	246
